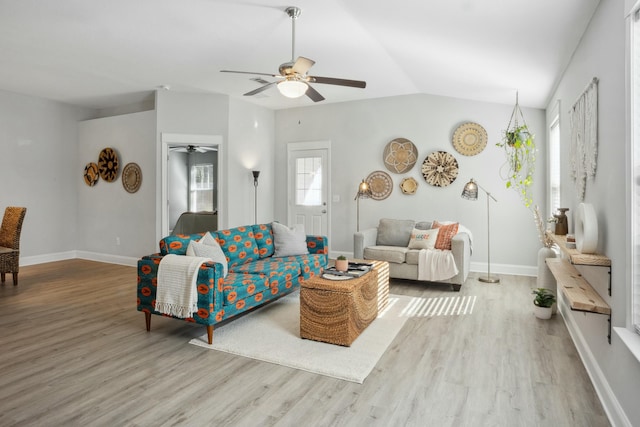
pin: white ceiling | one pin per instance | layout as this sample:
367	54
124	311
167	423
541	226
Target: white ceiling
101	54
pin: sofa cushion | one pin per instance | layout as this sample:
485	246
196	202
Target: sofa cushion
239	286
289	241
394	232
238	245
423	239
177	244
395	254
263	233
270	267
208	247
446	233
310	265
424	225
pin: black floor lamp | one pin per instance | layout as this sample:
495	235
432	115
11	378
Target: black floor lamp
256	174
470	192
364	192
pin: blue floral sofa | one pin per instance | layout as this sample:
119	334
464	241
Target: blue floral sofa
254	277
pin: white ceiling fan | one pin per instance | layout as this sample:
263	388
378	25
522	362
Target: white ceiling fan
293	80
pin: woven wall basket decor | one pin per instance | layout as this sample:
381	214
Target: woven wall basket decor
440	169
380	184
91	174
469	139
400	155
131	177
108	164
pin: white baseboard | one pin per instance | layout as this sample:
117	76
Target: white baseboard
610	403
111	259
91	256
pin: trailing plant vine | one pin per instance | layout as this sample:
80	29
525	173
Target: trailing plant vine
520	151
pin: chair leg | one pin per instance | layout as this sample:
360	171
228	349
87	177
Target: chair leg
2	277
15	279
210	334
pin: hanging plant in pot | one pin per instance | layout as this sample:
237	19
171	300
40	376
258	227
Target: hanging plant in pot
543	302
520	151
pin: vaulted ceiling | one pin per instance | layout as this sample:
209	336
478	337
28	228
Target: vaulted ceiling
106	53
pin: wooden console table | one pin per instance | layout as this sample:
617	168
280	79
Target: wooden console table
579	293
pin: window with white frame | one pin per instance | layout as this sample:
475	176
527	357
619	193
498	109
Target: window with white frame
554	162
201	187
635	167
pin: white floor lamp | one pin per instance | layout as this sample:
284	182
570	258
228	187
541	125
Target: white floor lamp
470	192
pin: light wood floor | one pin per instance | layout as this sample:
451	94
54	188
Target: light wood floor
74	351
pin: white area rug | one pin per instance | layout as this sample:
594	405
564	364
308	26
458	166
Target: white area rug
272	334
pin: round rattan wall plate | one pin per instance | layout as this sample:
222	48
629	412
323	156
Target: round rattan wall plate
380	184
108	164
409	186
91	174
131	177
469	139
440	169
400	155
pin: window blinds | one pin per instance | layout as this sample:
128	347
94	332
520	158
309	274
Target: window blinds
635	148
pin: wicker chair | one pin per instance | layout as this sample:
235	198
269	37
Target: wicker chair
10	242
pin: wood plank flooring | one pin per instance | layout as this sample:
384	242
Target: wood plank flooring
74	351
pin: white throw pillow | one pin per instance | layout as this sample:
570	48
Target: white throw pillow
423	239
208	247
289	241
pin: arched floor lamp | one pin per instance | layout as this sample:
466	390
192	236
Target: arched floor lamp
364	192
470	192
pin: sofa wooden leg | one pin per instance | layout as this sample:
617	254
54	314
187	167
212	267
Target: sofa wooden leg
456	288
147	320
210	334
15	279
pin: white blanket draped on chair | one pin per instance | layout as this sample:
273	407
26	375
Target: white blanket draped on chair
436	264
177	293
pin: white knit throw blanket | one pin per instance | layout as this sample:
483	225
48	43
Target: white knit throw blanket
436	264
177	294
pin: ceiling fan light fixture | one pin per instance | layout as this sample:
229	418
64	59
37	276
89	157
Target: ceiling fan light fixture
292	88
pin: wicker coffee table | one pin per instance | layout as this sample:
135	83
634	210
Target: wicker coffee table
337	311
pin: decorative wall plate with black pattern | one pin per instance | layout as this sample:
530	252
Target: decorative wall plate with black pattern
91	174
440	169
380	184
108	164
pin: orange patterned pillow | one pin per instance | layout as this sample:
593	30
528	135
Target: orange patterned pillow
445	234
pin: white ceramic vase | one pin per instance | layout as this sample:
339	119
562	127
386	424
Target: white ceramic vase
545	278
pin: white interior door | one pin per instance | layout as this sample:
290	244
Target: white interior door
308	184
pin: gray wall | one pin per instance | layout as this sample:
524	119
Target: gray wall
107	213
359	131
39	170
601	54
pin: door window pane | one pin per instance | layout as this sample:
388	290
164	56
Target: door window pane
308	181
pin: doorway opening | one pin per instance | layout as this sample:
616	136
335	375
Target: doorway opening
191	177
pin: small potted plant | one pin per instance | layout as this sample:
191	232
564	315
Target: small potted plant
342	264
543	302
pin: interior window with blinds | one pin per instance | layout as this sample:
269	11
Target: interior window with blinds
554	164
635	178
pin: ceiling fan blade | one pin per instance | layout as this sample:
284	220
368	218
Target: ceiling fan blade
302	65
260	89
339	82
314	94
249	72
